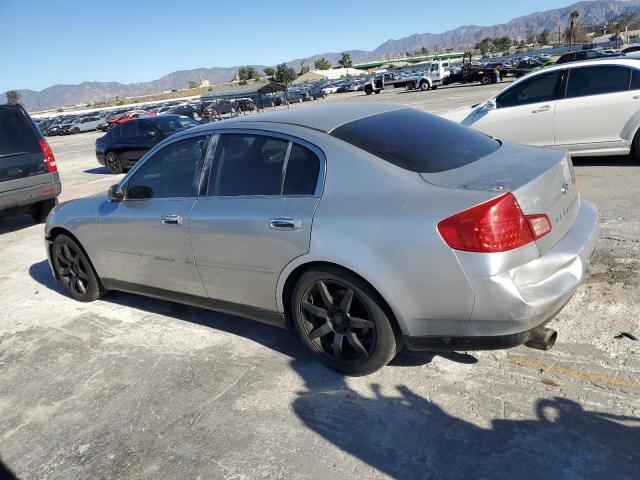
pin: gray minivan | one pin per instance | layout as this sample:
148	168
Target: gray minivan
29	180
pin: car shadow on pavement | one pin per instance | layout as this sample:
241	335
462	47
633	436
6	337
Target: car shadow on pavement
607	161
98	171
404	435
283	341
15	223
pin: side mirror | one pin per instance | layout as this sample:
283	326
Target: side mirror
489	105
115	193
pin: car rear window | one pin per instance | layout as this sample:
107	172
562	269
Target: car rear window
16	135
417	141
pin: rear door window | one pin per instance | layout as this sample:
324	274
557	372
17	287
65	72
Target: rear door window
303	168
247	164
417	141
598	80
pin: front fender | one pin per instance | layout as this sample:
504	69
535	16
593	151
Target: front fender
79	217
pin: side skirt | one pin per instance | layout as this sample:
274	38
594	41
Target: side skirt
264	316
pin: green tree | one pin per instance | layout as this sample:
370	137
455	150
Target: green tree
485	46
573	21
322	64
13	96
502	44
269	71
544	37
247	73
424	51
284	74
345	60
304	68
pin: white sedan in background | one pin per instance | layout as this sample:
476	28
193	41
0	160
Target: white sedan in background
587	108
85	124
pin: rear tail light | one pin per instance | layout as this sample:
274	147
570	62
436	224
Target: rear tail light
49	159
494	226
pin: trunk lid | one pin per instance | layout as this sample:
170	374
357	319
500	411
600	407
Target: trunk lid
542	181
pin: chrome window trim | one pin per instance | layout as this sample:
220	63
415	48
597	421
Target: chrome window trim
283	136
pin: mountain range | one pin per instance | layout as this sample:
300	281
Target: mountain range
591	13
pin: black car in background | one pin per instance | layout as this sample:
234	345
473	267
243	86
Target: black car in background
186	110
126	143
582	55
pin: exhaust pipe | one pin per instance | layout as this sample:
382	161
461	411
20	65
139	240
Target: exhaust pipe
542	339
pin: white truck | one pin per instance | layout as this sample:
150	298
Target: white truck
431	78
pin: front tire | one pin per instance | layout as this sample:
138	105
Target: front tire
113	163
485	80
75	271
342	321
424	86
75	131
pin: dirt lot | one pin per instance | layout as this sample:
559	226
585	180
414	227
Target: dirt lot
130	387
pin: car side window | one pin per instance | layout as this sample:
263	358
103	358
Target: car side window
145	129
114	133
247	164
301	175
635	79
540	88
170	172
129	130
597	80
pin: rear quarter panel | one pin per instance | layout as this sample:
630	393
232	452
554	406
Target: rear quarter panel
379	221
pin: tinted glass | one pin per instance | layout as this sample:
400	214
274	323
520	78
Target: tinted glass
114	133
146	129
247	165
597	80
635	79
129	130
541	88
170	172
301	176
171	124
16	133
417	141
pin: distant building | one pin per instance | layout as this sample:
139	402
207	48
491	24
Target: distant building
200	82
333	74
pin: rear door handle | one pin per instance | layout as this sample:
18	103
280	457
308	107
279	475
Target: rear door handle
284	223
544	108
171	219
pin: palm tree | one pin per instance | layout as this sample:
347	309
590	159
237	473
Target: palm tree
573	19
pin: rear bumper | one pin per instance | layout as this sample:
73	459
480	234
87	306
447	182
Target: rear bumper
509	306
23	197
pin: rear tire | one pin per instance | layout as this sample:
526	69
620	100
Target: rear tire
342	321
113	163
485	80
76	130
635	147
40	211
368	90
74	269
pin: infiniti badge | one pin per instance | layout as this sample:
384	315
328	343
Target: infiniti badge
565	188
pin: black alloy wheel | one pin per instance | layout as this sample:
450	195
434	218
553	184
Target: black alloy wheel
342	321
74	269
113	163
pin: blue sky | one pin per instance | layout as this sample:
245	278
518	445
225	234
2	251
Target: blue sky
45	42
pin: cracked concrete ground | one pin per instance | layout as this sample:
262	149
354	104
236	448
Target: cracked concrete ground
130	387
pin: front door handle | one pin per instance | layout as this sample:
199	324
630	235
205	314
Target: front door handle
171	219
544	108
284	223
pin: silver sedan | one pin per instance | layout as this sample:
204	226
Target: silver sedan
367	227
